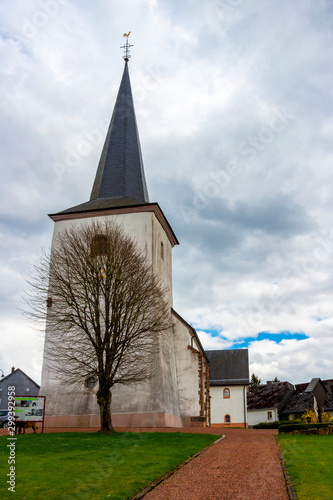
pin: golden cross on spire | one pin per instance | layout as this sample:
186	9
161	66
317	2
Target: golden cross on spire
126	47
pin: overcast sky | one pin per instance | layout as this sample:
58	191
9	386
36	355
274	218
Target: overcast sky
235	113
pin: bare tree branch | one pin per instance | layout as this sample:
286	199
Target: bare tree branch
106	309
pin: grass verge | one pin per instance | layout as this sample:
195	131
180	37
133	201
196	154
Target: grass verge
309	461
66	466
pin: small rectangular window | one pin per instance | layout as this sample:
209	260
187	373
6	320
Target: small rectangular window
269	415
162	251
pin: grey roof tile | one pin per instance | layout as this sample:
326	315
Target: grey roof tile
302	399
228	367
299	403
102	203
274	395
120	178
288	399
18	371
120	171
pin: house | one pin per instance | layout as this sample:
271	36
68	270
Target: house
23	384
282	401
178	393
265	402
309	396
229	383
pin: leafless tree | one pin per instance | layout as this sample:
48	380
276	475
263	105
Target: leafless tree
104	309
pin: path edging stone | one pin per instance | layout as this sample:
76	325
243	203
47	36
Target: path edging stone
289	486
160	480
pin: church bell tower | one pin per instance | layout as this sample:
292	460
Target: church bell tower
119	192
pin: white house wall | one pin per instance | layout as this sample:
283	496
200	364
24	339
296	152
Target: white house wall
233	406
187	371
258	416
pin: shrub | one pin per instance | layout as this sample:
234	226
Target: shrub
269	425
298	427
310	417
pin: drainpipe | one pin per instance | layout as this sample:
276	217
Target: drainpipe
244	399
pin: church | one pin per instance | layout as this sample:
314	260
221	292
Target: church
178	393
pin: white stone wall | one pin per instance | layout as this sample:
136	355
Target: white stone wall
257	416
146	231
187	371
159	394
233	406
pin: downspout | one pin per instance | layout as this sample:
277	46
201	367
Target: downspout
244	400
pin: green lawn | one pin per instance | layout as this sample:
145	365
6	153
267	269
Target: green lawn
309	461
93	465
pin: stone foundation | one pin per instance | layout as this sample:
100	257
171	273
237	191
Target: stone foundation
235	424
118	420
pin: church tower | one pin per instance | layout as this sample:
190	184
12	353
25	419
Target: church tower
120	193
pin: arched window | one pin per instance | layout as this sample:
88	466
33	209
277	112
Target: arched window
227	419
99	245
226	393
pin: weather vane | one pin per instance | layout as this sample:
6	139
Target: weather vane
126	47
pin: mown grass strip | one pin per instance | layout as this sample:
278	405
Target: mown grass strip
92	466
309	461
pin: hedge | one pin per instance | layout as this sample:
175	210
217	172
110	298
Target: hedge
270	425
298	427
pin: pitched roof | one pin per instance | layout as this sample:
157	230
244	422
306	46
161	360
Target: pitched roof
302	399
299	402
143	207
120	179
328	403
191	329
228	367
273	395
15	372
101	204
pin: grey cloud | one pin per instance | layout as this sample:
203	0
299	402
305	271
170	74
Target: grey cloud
211	82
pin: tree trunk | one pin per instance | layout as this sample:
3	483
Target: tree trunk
104	397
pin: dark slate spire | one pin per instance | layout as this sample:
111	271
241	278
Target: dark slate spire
120	171
120	178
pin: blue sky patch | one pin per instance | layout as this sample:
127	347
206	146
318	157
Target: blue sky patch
275	337
212	333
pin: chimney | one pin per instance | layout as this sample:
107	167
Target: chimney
269	384
13	369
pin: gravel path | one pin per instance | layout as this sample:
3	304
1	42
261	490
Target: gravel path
244	466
